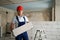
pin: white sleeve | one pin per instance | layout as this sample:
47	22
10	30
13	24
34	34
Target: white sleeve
26	19
14	20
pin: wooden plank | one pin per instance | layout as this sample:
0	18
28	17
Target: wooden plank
22	29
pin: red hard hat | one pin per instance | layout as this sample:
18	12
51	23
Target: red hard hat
19	8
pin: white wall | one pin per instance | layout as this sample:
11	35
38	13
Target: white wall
57	10
51	30
38	15
0	19
5	18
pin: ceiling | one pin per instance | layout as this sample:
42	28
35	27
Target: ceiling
27	4
5	2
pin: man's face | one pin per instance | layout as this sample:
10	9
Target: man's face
20	12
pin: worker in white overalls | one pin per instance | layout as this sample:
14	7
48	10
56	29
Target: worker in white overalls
20	20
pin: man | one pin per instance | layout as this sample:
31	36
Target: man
18	21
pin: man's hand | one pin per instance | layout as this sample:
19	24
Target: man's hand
11	26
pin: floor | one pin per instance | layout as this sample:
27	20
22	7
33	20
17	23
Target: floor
7	38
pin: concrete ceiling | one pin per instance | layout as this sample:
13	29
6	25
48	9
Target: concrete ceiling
27	4
5	2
